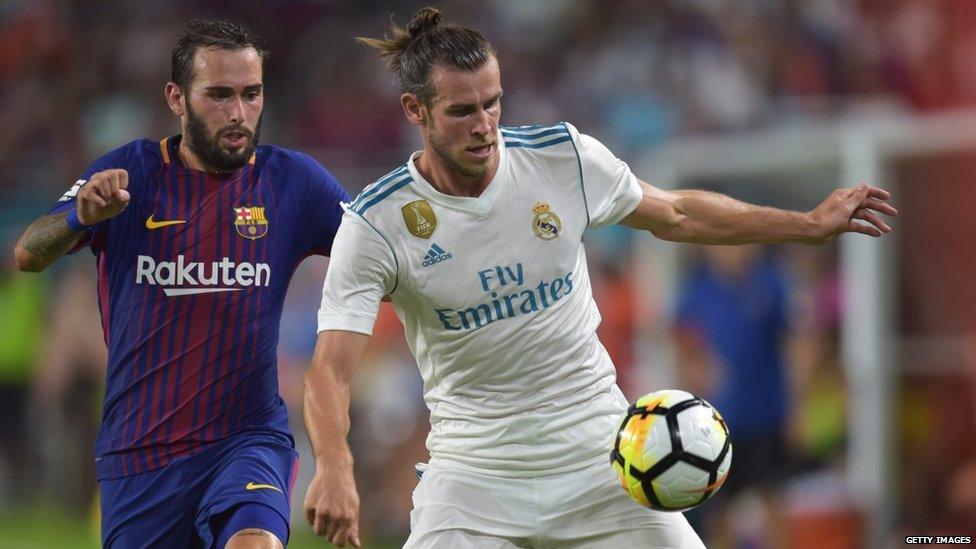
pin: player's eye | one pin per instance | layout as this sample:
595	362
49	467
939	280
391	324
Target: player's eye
253	96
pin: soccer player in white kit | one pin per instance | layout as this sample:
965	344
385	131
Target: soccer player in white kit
477	240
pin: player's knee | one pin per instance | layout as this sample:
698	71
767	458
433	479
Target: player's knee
253	538
250	526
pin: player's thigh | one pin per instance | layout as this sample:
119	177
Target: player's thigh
637	528
674	533
589	509
469	508
152	509
249	489
623	523
459	539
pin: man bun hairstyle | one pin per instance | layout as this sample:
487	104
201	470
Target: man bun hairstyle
205	33
412	52
424	20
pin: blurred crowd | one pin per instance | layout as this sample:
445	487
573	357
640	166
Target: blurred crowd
80	77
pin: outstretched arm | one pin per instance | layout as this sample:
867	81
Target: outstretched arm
332	502
51	236
704	217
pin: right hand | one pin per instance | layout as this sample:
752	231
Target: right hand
332	505
103	197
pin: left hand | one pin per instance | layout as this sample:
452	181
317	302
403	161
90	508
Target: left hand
844	209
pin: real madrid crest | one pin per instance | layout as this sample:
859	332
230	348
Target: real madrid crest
250	222
420	218
546	224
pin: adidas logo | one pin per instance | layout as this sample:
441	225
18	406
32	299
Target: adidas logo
435	255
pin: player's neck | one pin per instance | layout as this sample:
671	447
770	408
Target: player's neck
192	161
449	180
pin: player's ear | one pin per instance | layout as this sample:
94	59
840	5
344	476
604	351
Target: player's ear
413	108
175	98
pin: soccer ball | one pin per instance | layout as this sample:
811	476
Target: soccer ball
671	450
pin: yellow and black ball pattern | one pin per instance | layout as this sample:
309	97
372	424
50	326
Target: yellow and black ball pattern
671	451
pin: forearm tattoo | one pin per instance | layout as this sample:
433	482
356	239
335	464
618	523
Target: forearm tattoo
49	237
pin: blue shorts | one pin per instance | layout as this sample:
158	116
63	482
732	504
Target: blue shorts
188	502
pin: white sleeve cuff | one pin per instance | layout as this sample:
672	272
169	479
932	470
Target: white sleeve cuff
347	322
627	203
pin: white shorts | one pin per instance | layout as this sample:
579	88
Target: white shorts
582	509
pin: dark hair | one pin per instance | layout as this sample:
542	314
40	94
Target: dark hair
204	33
425	43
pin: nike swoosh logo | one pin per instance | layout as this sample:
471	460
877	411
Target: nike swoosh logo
255	486
153	224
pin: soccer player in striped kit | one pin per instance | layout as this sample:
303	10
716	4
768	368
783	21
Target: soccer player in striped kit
196	238
477	239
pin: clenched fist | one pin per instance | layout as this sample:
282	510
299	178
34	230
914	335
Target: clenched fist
103	197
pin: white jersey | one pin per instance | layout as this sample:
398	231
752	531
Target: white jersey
495	298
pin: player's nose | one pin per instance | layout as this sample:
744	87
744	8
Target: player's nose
236	111
482	123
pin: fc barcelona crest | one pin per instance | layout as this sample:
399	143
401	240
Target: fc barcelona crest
250	222
420	218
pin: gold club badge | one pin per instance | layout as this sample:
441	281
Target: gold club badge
251	222
546	224
420	218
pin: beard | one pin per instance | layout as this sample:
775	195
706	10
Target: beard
442	149
208	148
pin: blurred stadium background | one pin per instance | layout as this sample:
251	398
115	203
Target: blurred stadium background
772	101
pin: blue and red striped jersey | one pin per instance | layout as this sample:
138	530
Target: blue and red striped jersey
192	278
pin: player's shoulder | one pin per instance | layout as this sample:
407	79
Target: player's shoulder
294	165
134	152
288	160
137	157
539	137
282	157
300	172
144	147
375	197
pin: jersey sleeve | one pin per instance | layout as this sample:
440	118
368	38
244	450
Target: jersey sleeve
361	271
323	199
610	189
119	158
